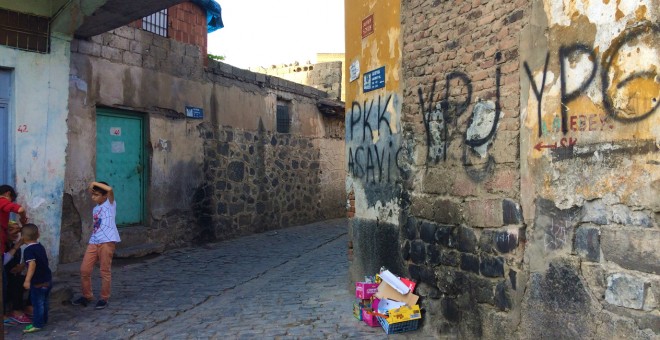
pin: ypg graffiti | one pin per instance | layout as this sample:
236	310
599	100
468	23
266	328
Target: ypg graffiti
373	140
441	122
627	76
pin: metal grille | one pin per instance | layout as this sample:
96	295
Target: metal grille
283	120
156	23
24	31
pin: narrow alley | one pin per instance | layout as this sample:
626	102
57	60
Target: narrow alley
288	284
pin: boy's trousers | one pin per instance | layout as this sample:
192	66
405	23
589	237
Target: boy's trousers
102	253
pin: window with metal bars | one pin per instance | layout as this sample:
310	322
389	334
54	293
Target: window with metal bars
283	118
156	23
24	31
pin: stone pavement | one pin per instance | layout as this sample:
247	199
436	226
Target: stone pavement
286	284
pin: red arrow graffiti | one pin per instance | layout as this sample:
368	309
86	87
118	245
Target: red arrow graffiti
563	143
541	146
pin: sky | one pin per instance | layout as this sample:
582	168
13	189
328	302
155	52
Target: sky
273	32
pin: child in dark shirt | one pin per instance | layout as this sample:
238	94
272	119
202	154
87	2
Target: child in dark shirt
38	278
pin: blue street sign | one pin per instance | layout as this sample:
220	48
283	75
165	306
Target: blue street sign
373	80
194	112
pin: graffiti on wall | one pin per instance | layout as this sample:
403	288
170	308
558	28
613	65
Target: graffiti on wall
628	96
373	144
441	122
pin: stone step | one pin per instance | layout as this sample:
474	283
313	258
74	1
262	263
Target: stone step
132	236
139	250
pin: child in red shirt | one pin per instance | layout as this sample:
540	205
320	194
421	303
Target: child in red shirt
7	206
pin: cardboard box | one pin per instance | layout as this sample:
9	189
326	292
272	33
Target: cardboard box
385	291
403	314
365	290
357	311
369	319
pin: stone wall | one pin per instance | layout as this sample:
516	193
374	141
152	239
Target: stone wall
325	76
194	190
463	234
263	181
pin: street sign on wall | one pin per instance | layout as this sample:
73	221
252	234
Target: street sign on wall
373	80
367	26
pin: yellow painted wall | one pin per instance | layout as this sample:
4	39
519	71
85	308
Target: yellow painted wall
381	48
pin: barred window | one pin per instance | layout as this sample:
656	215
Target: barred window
156	23
283	118
24	31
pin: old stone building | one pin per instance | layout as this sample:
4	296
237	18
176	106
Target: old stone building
203	153
505	155
196	150
326	74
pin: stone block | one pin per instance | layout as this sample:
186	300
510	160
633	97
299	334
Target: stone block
446	236
133	59
467	240
595	212
418	252
470	262
111	54
622	214
491	266
626	290
115	41
511	212
427	232
485	213
438	210
502	297
506	241
635	249
125	32
587	243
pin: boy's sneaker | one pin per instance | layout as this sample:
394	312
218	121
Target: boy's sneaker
31	329
21	319
10	322
101	304
81	301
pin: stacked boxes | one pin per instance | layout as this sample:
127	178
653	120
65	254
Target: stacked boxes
387	301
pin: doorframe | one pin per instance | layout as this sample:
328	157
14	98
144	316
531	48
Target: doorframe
113	112
10	164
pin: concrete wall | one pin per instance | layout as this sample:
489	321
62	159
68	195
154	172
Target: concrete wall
189	159
38	113
529	184
374	139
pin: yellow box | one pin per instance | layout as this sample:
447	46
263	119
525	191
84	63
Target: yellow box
403	314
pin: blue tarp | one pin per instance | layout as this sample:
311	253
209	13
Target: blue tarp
213	14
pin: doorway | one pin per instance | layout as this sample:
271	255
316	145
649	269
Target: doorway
120	161
6	145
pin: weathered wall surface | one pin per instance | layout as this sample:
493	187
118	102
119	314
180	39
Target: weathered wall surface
324	76
374	139
190	159
590	96
37	128
528	202
464	223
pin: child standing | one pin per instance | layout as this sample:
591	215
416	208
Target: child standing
15	278
101	245
7	205
38	278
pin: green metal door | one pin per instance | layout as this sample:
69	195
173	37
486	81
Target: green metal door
120	161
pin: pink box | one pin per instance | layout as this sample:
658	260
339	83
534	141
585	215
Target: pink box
365	290
370	319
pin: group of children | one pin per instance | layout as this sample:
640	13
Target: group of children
25	261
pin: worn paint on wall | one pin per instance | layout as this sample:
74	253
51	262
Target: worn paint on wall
39	111
373	119
590	92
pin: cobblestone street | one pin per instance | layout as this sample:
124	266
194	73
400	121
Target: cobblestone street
287	284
